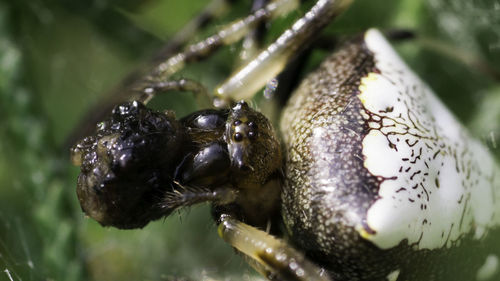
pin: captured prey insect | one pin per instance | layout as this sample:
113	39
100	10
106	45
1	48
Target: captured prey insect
377	179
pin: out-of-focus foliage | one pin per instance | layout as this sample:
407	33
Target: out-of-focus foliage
58	58
37	233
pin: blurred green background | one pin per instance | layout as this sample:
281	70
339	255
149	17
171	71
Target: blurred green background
59	58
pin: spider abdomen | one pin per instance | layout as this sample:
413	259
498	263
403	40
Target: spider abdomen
385	177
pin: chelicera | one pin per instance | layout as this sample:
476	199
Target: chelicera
376	181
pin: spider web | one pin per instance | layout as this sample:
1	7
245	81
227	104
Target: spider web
16	261
36	230
15	264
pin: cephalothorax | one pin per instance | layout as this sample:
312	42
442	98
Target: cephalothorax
378	181
142	165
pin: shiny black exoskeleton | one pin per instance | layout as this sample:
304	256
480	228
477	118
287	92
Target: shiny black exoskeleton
142	164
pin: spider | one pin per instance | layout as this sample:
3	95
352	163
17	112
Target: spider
376	180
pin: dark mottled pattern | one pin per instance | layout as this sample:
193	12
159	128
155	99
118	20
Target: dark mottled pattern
127	165
328	189
142	164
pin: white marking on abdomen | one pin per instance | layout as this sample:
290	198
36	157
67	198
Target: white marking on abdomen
439	181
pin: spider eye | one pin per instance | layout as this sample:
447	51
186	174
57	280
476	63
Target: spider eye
252	135
238	137
252	125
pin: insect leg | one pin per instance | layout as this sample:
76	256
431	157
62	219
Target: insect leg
270	62
270	256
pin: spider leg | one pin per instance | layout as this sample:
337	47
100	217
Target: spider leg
158	80
189	195
226	36
270	256
466	57
253	41
187	85
271	61
132	87
213	10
